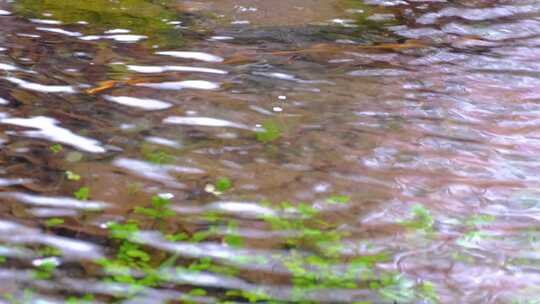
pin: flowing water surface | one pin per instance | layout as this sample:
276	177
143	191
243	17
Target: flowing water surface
282	151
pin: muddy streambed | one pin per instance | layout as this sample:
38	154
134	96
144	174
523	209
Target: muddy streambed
286	151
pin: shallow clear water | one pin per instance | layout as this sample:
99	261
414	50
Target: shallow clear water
285	151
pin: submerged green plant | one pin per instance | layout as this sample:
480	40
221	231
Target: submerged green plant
314	259
142	17
338	199
53	222
158	157
479	220
27	297
82	194
45	269
85	299
422	219
270	131
72	176
56	148
159	210
223	184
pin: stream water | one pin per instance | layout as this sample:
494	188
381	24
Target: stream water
283	151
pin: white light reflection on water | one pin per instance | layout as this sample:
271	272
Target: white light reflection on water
141	103
180	85
154	172
204	122
62	202
40	87
192	55
47	128
14	233
150	69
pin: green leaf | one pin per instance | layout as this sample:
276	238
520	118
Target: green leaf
86	299
223	184
479	219
270	132
159	157
56	148
142	17
82	194
160	202
176	237
423	220
338	199
234	240
197	292
72	176
137	253
54	222
123	231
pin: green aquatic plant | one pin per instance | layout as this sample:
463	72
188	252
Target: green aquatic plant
56	148
130	258
270	131
82	194
28	297
223	184
159	210
49	251
72	176
474	235
233	238
142	17
479	220
422	219
53	222
85	299
45	269
158	157
314	257
338	199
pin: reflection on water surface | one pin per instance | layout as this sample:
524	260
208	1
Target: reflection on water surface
277	152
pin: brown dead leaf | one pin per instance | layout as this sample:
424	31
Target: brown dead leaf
105	85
